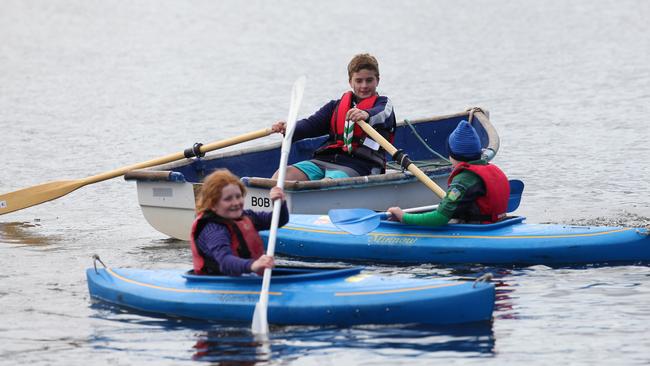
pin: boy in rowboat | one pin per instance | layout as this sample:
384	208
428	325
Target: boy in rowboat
348	152
225	238
478	191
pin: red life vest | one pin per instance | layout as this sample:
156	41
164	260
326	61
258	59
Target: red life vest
494	203
337	123
245	241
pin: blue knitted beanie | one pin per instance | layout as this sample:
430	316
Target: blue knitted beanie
463	143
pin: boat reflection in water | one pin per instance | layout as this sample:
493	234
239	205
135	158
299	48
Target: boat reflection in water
231	346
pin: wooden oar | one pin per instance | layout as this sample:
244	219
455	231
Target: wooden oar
360	221
26	197
402	159
260	324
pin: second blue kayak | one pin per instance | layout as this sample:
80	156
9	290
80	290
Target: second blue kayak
507	242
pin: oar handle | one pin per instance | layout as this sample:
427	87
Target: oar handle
392	151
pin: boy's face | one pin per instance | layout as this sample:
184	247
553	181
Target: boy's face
364	83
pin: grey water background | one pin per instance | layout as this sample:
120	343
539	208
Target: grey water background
91	86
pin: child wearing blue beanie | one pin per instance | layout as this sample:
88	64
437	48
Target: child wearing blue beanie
478	191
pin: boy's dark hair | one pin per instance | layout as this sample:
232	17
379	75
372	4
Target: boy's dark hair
363	61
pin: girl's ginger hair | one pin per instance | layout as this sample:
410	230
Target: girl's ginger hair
213	186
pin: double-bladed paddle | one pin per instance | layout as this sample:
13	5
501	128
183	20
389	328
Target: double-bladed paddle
27	197
360	221
260	324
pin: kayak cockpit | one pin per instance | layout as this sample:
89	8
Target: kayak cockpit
509	221
281	274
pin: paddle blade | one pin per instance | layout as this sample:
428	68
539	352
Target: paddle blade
296	99
339	215
516	188
27	197
260	324
356	221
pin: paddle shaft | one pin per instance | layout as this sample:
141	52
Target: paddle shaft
27	197
260	323
411	167
387	214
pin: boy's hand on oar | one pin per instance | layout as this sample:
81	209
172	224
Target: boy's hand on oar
356	115
279	127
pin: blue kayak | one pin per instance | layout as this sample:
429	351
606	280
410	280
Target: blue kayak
297	296
507	242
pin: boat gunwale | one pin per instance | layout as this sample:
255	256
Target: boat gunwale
300	186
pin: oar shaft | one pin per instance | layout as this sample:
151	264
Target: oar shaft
178	156
411	167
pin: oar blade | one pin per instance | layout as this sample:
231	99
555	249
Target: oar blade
516	189
27	197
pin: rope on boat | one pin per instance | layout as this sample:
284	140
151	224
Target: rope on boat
422	164
488	153
95	260
484	278
473	110
424	143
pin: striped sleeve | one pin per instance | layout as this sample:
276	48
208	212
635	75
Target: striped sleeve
382	113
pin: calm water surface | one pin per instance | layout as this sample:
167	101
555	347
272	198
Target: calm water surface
91	86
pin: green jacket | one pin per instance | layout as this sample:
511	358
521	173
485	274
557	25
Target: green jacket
459	201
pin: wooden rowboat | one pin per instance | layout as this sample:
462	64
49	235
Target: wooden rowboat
167	193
